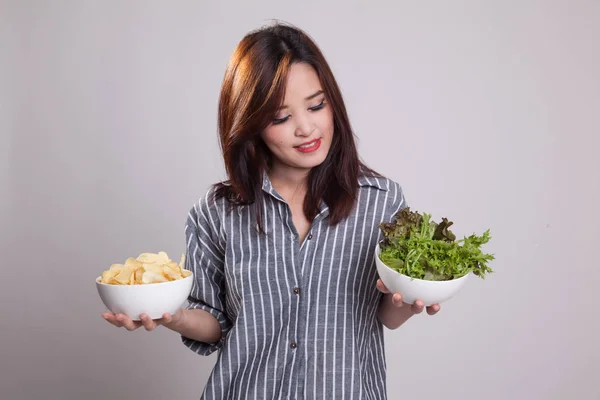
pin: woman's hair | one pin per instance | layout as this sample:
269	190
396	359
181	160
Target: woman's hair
253	89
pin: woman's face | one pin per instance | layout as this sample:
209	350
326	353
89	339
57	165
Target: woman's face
301	133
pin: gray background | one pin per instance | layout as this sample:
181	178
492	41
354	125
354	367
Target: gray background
485	112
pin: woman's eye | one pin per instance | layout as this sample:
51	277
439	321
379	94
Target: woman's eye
319	106
277	121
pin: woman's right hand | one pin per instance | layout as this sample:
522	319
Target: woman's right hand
123	321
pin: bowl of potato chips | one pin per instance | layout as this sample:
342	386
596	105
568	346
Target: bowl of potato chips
150	284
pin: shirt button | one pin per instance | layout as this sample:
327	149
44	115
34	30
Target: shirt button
293	345
297	290
309	236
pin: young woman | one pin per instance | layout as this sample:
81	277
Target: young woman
285	283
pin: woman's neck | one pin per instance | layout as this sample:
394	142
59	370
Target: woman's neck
289	183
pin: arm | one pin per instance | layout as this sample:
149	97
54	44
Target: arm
205	320
393	314
392	311
197	324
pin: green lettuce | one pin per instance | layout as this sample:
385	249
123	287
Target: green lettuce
416	246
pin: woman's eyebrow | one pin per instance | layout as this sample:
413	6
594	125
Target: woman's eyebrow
312	96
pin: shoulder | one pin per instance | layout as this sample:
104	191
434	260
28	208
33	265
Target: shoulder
371	181
209	206
390	194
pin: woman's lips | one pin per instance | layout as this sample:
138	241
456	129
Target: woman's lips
310	147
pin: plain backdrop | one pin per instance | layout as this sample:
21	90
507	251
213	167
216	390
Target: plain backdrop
485	112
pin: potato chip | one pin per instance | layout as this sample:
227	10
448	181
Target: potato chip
116	268
155	268
153	277
107	276
138	276
124	276
133	263
147	258
147	268
171	273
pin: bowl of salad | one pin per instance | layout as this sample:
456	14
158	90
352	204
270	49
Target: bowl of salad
423	260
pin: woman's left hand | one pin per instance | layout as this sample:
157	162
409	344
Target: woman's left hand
417	307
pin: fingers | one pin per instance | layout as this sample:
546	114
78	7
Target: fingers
417	307
397	300
127	323
148	323
171	321
166	319
433	309
111	318
381	287
121	321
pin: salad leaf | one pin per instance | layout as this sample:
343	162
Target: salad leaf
414	245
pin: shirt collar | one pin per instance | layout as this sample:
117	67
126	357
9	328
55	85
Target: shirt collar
373	181
363	181
267	187
377	182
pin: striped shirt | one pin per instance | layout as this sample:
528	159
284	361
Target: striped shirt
299	320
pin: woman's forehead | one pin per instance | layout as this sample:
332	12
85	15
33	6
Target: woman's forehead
302	83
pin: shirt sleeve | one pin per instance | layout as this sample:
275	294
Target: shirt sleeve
205	258
396	201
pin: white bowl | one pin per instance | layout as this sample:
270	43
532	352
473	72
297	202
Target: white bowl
153	299
412	289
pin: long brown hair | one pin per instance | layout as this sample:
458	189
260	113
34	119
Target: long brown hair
252	90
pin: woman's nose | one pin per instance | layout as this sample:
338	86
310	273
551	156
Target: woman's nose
304	126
